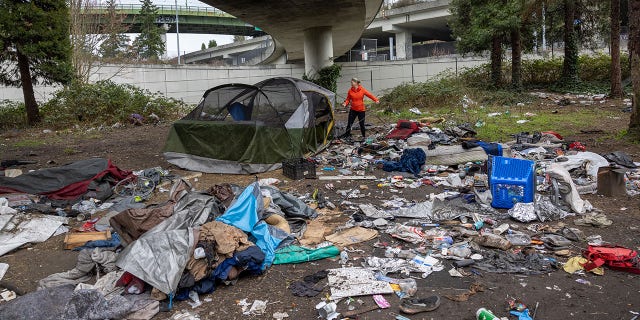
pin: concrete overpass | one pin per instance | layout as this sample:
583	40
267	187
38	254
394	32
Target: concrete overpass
405	25
259	50
192	19
413	23
315	31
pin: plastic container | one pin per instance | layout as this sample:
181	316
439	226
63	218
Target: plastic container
501	229
484	314
512	180
297	169
519	239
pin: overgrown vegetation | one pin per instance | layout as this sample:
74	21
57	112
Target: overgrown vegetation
468	97
547	73
12	115
101	103
326	77
106	103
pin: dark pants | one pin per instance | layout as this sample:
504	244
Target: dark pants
352	117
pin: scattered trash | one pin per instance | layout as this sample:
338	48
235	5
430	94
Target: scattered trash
327	310
3	269
351	282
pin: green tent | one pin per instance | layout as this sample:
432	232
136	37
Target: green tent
246	129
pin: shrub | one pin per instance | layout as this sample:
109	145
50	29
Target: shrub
326	77
12	115
594	73
444	90
106	102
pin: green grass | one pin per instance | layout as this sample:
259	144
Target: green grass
70	151
29	143
503	126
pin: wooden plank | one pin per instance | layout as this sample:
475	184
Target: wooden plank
78	239
347	178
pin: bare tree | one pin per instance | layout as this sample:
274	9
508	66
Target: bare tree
85	35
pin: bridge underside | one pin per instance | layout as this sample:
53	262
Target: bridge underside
322	27
202	24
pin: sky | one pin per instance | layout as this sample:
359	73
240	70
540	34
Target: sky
189	42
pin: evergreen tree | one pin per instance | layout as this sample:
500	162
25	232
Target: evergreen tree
115	42
616	72
213	43
481	25
203	46
149	44
570	62
34	47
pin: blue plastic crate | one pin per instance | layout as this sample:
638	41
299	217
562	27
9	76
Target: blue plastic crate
512	180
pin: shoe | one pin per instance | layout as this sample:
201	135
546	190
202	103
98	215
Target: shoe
413	306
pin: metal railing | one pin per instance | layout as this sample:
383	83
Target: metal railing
169	10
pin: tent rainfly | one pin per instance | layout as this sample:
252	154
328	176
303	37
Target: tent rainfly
246	129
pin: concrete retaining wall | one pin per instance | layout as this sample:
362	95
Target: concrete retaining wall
188	82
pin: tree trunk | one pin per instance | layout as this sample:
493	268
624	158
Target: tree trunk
634	52
496	61
516	59
570	63
33	114
616	73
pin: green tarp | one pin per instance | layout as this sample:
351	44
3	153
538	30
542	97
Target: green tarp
297	254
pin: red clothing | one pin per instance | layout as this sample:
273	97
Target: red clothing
355	97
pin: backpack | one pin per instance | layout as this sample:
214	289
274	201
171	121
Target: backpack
614	257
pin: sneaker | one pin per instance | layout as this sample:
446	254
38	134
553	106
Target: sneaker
413	306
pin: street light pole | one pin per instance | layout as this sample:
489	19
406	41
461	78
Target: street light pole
177	31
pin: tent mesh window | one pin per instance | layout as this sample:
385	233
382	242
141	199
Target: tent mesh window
270	102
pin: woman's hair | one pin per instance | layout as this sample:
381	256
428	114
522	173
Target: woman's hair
356	80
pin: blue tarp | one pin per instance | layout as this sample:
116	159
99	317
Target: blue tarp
244	214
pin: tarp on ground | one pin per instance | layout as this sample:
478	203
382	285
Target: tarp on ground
65	303
160	255
245	214
22	229
67	182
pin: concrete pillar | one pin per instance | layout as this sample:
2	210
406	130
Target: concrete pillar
318	49
392	55
404	45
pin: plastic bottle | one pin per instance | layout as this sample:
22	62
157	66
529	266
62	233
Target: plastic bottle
501	228
484	314
519	239
460	251
344	257
408	286
494	241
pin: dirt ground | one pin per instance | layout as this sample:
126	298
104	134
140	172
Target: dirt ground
557	294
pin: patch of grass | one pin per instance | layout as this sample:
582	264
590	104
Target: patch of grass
70	151
29	143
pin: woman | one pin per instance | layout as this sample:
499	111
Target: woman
355	97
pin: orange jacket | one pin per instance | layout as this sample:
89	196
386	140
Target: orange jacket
355	97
